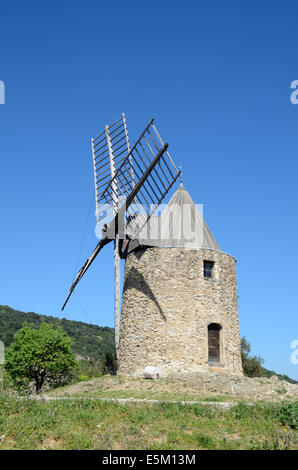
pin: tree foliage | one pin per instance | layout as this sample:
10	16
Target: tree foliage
110	365
252	365
40	357
91	342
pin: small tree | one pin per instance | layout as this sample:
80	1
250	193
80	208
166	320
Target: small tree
109	364
39	356
252	365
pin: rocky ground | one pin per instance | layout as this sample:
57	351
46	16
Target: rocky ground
199	386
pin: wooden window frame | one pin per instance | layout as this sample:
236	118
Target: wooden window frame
205	270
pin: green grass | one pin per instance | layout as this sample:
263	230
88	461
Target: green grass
88	392
93	424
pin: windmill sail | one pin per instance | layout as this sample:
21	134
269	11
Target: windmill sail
108	151
84	268
154	174
153	188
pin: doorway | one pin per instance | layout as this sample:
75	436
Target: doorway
214	343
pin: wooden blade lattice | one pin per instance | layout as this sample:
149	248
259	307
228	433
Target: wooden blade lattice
109	150
129	174
140	183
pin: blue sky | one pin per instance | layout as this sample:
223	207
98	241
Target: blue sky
216	77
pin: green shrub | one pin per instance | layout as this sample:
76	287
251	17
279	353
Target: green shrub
288	414
40	356
252	365
242	410
109	364
83	377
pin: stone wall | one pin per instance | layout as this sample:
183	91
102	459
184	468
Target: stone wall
167	305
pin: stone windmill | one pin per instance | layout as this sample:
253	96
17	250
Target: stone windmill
179	303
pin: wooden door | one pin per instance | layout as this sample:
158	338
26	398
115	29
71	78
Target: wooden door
214	343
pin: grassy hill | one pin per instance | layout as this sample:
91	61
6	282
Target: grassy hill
91	342
93	424
81	417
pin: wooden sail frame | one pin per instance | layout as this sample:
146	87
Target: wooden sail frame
132	187
108	150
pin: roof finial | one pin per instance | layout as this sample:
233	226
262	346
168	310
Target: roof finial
181	175
181	186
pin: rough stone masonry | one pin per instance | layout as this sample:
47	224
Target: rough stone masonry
167	306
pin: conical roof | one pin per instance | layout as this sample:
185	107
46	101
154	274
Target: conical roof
179	225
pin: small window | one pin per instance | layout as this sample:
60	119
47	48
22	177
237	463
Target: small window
208	269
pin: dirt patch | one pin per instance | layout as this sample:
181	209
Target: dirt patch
196	386
232	436
51	443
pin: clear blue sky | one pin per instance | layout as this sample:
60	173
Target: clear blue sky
216	76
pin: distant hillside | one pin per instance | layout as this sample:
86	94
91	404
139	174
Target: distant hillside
91	342
270	373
